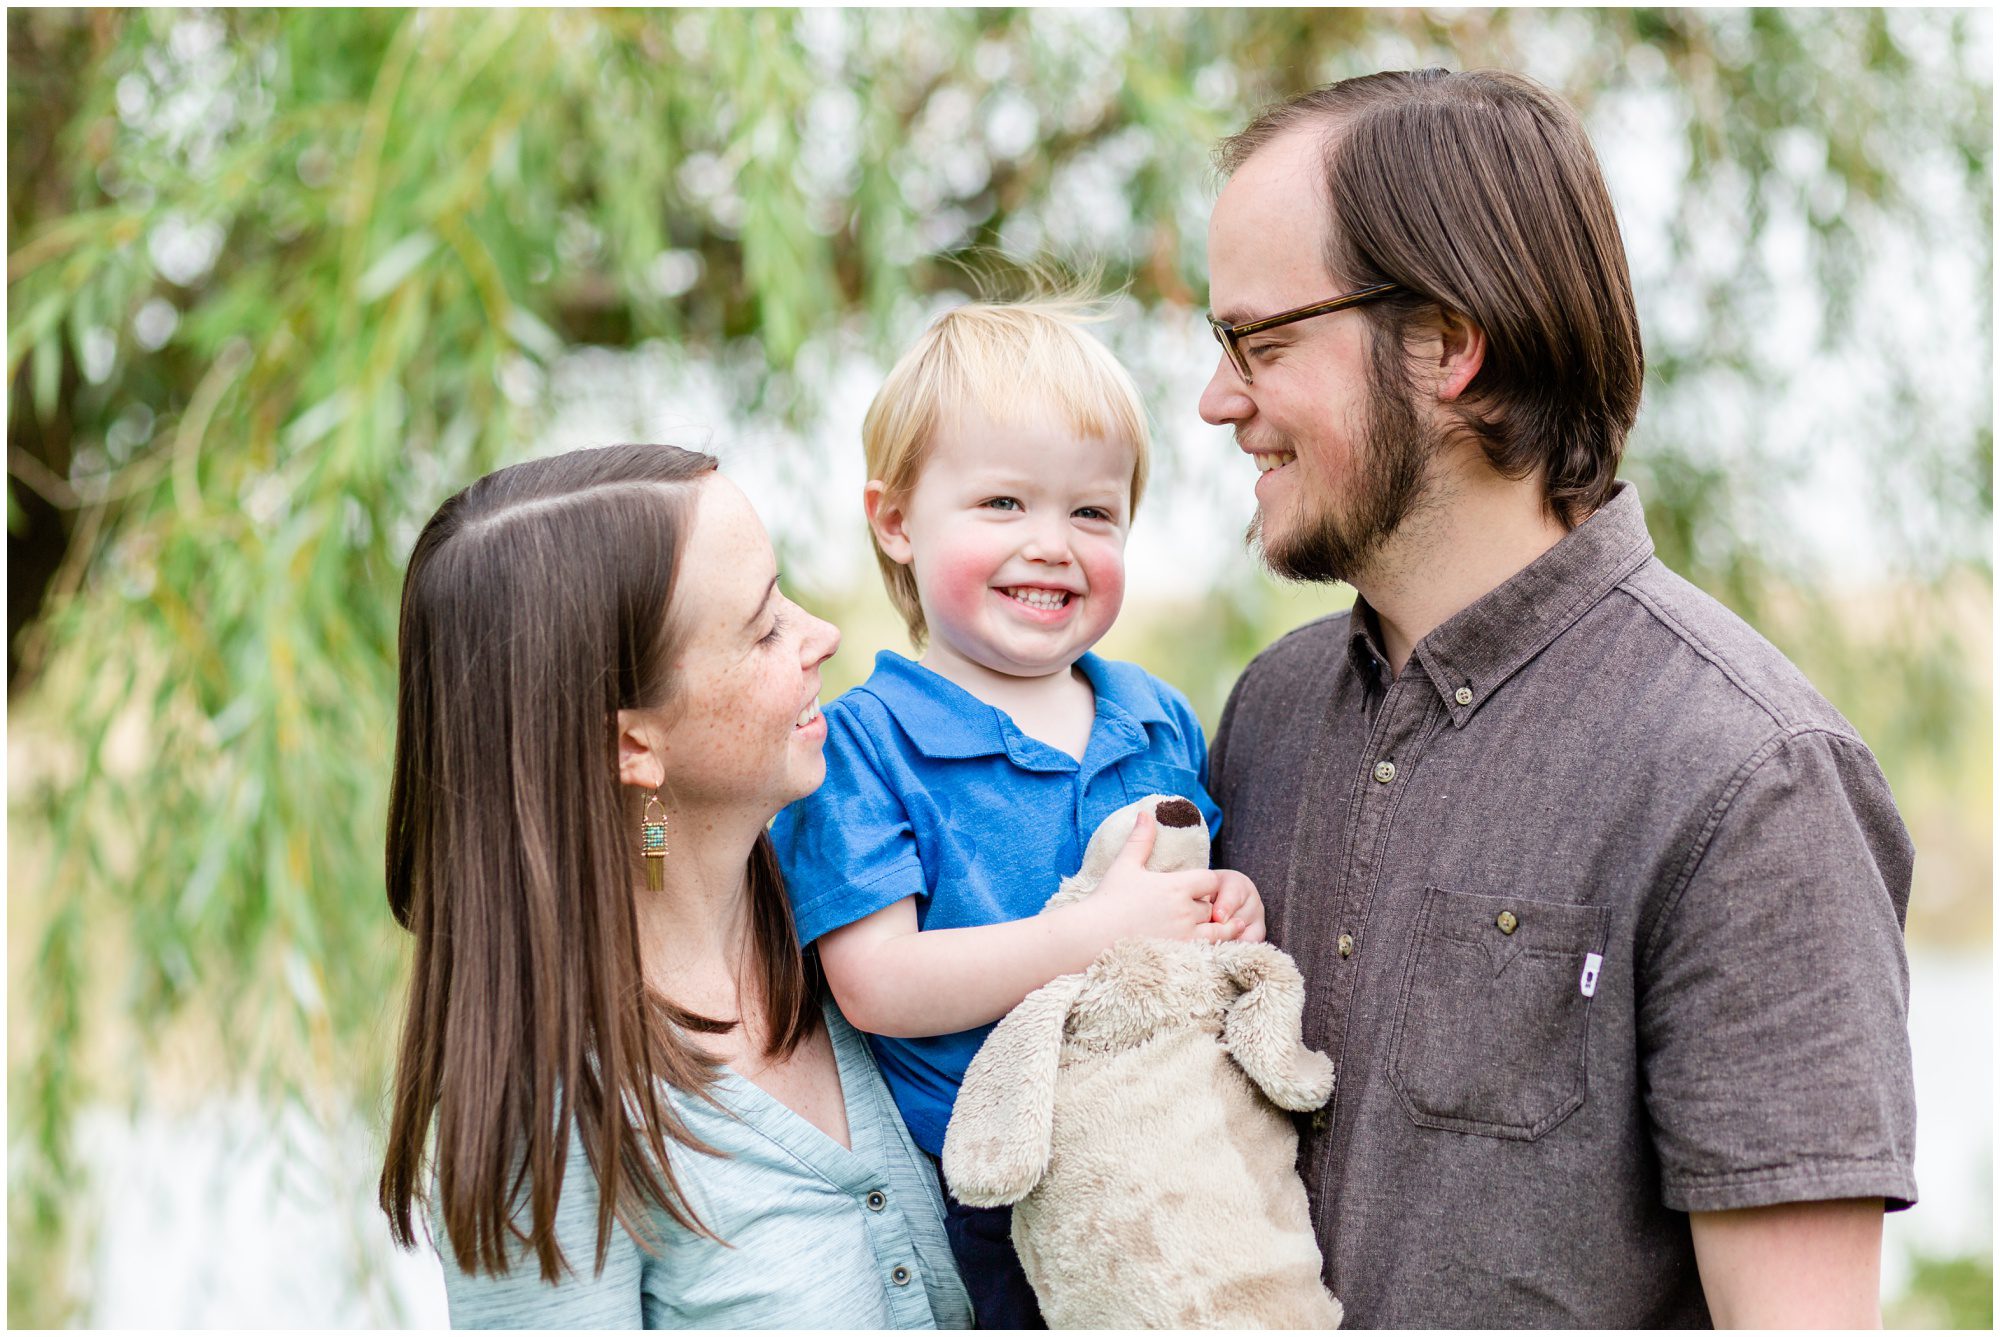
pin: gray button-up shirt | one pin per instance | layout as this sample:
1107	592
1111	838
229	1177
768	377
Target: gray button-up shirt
1599	906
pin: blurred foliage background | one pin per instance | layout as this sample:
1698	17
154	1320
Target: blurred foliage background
279	281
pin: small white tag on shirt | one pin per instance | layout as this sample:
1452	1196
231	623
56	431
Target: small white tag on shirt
1589	981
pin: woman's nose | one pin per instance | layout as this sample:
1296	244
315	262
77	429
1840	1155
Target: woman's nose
821	643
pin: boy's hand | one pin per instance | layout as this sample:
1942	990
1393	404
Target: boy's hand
1134	902
1237	901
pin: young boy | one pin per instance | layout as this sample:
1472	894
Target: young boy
1006	453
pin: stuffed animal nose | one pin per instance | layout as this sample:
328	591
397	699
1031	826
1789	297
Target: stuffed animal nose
1177	812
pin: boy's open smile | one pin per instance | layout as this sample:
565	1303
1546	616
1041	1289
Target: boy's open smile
1043	604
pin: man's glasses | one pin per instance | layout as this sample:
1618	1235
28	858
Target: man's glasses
1227	334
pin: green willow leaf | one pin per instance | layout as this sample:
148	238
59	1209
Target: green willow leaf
396	264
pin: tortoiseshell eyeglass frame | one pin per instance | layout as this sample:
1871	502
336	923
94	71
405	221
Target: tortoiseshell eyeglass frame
1227	334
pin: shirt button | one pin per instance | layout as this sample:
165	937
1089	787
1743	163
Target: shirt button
1385	771
1463	696
1347	944
1506	923
876	1202
901	1276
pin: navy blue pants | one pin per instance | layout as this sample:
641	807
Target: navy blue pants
982	1243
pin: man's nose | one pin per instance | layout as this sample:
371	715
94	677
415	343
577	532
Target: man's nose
1225	399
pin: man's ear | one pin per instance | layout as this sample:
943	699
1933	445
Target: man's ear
1461	353
639	765
885	517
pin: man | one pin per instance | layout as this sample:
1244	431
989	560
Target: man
1599	904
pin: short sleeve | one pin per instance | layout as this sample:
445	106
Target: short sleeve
1773	1012
1189	725
581	1297
847	849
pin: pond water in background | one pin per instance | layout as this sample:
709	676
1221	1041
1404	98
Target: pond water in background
224	1219
1951	1046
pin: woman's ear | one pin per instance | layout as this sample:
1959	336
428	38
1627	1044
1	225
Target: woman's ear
885	517
639	764
1461	353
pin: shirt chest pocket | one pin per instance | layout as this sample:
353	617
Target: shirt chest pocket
1492	1028
1155	777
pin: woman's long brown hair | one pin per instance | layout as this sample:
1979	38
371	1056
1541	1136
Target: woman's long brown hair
535	608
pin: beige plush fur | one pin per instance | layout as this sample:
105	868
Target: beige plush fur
1134	1116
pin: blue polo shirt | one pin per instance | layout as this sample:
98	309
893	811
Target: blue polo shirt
932	793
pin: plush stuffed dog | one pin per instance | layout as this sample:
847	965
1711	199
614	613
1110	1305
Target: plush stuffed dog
1133	1114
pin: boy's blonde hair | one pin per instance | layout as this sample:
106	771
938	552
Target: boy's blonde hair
993	356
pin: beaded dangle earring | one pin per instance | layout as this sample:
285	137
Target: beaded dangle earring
653	841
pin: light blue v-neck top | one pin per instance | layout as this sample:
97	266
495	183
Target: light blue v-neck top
823	1237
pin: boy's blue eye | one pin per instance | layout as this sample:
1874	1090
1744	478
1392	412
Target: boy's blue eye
1093	513
1002	503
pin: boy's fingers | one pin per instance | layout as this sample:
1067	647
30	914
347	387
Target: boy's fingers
1139	845
1212	933
1230	899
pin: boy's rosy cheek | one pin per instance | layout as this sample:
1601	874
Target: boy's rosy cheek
1106	574
956	583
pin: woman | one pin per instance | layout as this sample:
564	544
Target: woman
645	1111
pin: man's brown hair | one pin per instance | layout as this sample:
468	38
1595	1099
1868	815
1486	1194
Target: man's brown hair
1478	192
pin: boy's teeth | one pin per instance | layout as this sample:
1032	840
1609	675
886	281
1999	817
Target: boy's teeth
1039	598
1266	463
809	714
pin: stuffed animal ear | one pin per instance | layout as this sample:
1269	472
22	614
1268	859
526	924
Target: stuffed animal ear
997	1144
1262	1028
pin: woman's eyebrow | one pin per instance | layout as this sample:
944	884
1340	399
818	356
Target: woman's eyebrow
762	604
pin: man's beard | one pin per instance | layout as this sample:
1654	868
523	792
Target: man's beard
1388	484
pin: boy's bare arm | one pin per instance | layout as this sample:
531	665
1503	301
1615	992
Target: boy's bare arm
891	979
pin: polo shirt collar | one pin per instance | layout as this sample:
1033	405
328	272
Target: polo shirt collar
944	720
1477	649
